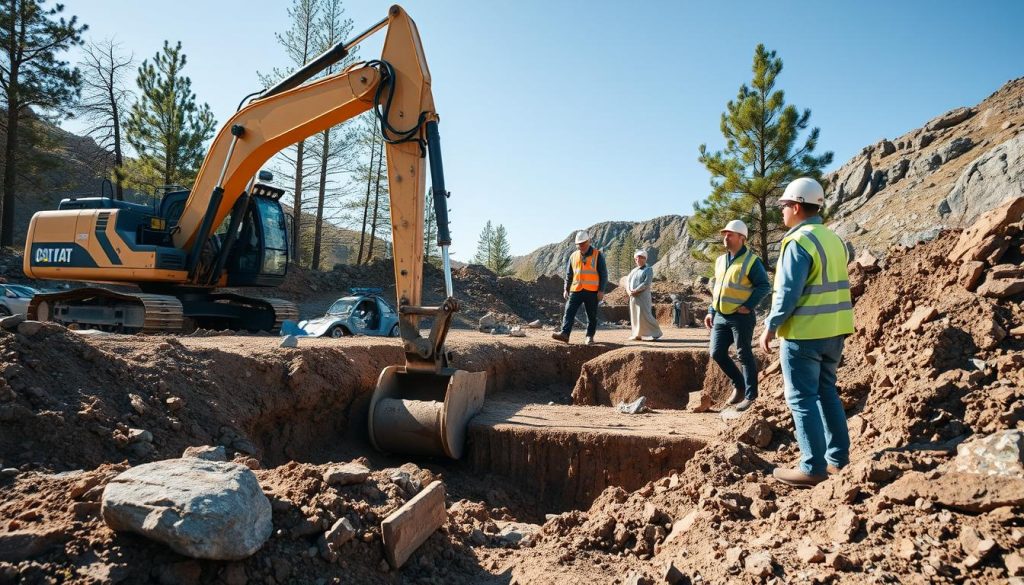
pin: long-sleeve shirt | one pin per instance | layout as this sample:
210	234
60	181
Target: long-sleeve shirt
790	280
758	278
602	271
639	279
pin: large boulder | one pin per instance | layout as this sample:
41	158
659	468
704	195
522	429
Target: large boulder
991	178
201	509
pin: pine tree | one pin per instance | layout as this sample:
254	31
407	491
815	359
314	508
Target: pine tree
166	127
761	156
31	76
484	244
625	260
501	253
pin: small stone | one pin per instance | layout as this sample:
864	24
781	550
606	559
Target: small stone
10	472
920	316
759	564
1014	564
809	552
905	548
174	403
346	474
138	404
139	436
29	328
291	341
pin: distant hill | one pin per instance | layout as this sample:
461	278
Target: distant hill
942	175
665	238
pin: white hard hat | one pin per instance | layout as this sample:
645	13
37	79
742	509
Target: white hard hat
736	226
640	253
804	190
582	236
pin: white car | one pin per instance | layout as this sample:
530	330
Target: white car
15	299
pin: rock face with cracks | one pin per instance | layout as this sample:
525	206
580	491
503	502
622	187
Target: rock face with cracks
201	509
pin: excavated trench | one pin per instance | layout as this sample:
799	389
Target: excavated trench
546	430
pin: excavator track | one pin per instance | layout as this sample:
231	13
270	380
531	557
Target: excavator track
283	310
102	308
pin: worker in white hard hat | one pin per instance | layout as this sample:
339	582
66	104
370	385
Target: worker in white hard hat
741	281
812	313
585	279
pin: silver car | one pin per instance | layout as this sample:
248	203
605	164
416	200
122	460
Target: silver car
363	313
15	299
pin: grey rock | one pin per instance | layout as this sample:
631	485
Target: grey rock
986	182
139	436
206	452
29	328
346	474
200	509
955	148
951	118
290	341
913	238
1000	453
11	322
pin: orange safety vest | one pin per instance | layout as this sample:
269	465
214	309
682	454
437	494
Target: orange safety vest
584	271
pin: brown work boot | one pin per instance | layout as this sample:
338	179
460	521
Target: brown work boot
797	478
737	396
560	337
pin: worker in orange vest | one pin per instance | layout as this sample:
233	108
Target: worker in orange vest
585	278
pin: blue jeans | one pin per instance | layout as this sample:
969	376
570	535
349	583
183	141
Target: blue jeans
809	370
739	329
587	298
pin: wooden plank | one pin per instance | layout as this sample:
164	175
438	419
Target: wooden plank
409	526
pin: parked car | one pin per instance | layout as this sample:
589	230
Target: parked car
364	312
15	299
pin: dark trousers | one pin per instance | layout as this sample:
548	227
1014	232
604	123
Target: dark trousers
587	298
738	329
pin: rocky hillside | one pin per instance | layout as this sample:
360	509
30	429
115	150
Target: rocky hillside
945	174
665	238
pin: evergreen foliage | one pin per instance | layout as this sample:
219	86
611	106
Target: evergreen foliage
32	78
760	157
493	250
165	127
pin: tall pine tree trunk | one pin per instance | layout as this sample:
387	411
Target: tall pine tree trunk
118	157
10	150
366	201
318	228
300	152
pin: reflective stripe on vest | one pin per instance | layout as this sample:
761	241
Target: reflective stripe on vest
732	282
824	308
584	272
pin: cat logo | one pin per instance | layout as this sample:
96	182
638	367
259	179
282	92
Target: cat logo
53	255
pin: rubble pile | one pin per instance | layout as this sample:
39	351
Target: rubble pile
935	364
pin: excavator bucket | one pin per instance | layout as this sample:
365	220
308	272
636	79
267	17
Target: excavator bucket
424	412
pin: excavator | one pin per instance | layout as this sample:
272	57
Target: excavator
230	230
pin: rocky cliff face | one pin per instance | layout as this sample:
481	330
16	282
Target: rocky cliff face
944	175
665	238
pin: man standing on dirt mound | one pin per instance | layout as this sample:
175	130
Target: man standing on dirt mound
812	313
740	283
585	279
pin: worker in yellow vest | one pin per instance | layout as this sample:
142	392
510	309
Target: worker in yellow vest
740	283
812	313
585	279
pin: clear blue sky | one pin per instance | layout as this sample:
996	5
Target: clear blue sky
560	114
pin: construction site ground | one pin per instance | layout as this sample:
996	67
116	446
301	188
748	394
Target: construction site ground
557	485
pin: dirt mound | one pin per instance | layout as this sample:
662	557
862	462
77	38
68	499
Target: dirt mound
931	363
664	378
69	542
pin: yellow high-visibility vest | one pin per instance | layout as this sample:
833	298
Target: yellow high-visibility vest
732	282
584	272
825	308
